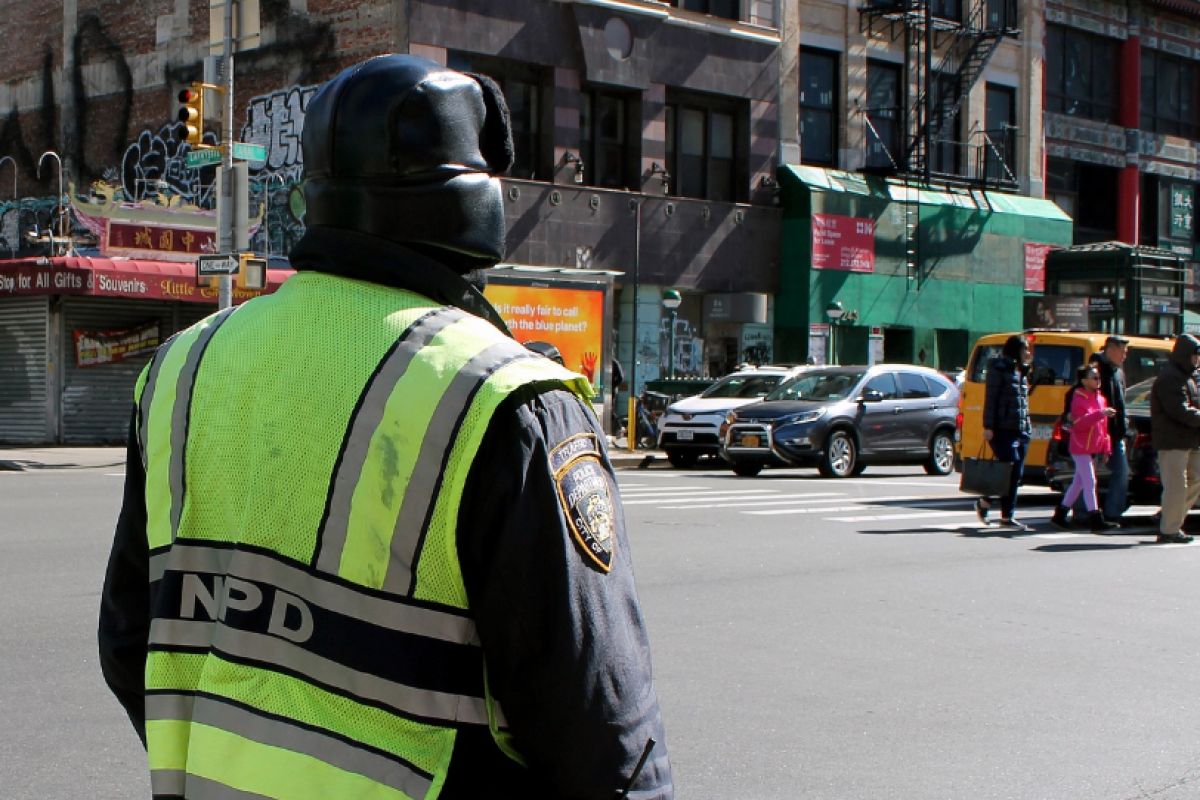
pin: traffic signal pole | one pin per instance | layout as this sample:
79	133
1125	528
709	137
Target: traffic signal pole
226	235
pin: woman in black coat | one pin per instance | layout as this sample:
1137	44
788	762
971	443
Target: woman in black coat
1006	425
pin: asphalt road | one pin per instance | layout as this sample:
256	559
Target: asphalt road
812	638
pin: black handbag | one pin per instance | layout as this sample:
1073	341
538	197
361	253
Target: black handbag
985	477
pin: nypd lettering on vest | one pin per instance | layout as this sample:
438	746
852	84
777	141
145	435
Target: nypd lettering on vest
214	596
585	494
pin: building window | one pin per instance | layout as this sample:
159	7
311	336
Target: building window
707	147
523	86
1002	15
1000	157
1081	74
726	9
947	9
884	115
1168	95
607	128
1088	192
946	157
818	107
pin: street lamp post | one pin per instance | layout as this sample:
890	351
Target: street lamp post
835	312
671	301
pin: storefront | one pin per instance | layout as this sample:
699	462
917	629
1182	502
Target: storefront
75	333
876	269
1125	288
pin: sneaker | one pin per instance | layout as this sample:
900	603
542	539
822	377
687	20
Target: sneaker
981	510
1059	520
1174	538
1013	524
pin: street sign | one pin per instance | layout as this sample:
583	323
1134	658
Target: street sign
249	152
220	264
202	158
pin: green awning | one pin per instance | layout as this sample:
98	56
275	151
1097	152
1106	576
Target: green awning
833	180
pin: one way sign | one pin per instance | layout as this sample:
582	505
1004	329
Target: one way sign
220	264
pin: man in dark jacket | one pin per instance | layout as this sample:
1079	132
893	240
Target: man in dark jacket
1109	362
400	156
1175	422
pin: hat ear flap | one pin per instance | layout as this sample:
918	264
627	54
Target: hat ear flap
496	140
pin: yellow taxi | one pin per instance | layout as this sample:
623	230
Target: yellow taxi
1056	356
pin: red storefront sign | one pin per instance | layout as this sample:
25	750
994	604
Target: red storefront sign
106	277
1035	266
159	241
843	243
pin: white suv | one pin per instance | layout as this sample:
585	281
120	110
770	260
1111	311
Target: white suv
690	427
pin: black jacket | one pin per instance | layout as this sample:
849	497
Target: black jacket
566	646
1175	400
1006	398
1112	386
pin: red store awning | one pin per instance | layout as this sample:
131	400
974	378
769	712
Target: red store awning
118	277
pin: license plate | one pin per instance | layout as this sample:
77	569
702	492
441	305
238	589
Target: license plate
684	436
750	441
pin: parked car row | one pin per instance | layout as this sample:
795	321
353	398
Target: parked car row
838	419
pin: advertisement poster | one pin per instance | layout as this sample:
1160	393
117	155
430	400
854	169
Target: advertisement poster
105	347
569	318
818	342
1057	312
844	243
1035	266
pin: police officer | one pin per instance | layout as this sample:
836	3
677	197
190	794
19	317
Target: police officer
371	546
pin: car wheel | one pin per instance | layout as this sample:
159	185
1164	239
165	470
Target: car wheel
941	454
841	456
682	458
747	469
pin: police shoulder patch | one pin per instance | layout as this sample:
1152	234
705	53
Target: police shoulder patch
585	494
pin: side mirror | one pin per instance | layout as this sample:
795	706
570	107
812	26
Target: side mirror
871	396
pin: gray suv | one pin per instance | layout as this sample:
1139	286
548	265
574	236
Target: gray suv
840	419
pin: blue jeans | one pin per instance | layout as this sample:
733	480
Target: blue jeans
1116	497
1011	446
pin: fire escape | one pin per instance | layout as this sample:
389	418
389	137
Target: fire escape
947	46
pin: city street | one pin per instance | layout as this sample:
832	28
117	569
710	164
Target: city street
861	638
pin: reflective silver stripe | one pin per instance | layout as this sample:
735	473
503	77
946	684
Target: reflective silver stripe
179	414
386	613
148	395
420	494
203	789
367	417
279	652
280	733
167	781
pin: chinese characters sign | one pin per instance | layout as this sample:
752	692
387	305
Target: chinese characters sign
1182	211
159	241
845	243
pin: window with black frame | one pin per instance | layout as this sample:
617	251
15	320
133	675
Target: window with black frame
1081	74
706	147
1169	95
818	107
726	9
523	85
946	155
1000	158
606	127
947	9
884	114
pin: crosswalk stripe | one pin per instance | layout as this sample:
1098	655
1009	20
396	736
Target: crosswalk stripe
906	515
641	501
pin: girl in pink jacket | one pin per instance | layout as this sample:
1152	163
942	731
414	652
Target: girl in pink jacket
1089	438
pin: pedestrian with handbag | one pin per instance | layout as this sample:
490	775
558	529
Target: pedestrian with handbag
1090	437
1006	425
1175	427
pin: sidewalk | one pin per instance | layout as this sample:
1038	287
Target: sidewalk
18	459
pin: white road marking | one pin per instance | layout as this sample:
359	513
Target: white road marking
907	515
641	500
817	497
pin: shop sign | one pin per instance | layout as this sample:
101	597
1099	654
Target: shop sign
1156	304
843	243
1100	305
163	283
105	347
1058	312
162	242
1182	210
1035	265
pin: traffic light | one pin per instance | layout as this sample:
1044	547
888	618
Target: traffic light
252	271
192	114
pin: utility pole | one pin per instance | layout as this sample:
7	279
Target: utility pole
228	196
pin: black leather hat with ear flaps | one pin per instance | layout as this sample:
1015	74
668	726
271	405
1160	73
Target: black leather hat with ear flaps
403	148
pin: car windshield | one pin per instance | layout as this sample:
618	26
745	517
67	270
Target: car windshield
742	386
825	384
1138	395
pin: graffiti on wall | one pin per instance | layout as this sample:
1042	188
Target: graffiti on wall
154	164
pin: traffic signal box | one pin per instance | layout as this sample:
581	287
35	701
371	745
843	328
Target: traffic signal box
191	114
252	272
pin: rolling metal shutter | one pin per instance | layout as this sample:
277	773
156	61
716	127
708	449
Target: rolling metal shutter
24	391
97	400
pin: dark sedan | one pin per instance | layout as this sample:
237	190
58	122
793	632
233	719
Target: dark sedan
840	419
1144	484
